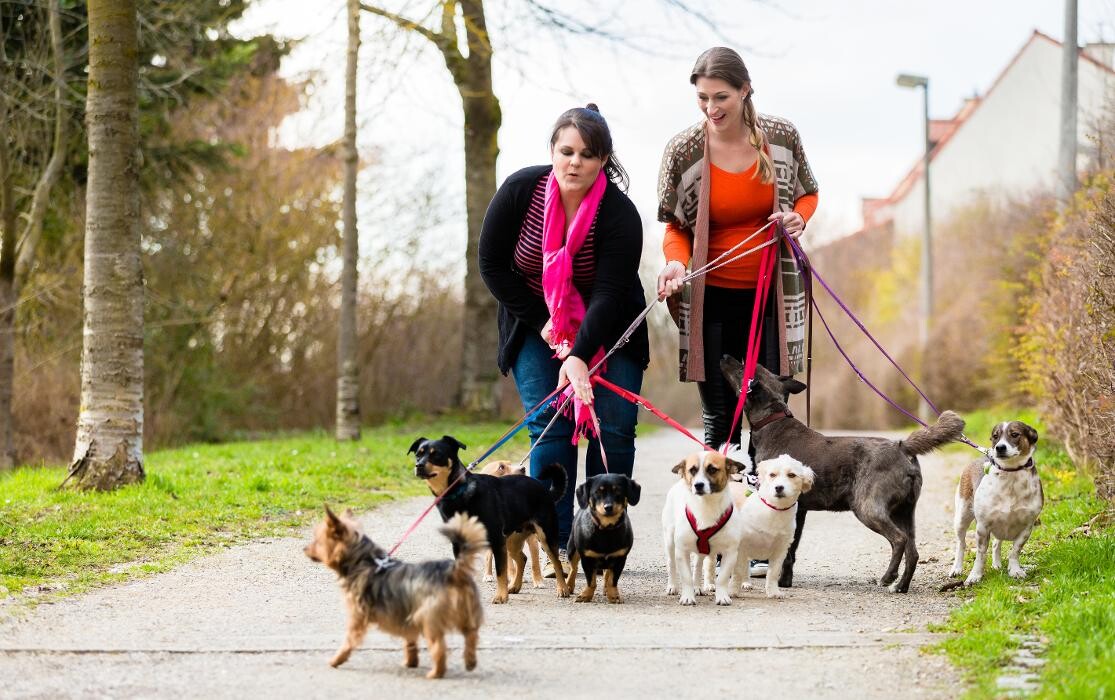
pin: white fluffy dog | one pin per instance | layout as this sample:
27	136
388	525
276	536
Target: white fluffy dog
700	518
768	518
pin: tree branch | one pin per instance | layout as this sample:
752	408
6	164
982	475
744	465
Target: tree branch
34	228
440	41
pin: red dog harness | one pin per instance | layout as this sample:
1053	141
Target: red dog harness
703	536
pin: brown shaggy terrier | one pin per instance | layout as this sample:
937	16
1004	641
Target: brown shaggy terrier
426	599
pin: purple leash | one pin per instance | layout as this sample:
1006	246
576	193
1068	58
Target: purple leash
808	272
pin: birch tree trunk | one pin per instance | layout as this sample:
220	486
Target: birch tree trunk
109	447
348	374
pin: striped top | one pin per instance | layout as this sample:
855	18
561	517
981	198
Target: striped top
528	249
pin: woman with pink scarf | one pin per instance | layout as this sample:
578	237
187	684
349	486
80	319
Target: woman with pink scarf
560	250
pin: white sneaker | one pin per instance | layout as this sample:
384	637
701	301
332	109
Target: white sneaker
758	569
548	570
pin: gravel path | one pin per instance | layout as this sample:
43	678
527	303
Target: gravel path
262	621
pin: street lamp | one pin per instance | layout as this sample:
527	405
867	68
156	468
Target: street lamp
919	81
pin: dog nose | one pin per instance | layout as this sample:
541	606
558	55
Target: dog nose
780	489
1001	450
699	487
608	508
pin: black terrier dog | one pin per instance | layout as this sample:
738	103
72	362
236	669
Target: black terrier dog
511	508
602	535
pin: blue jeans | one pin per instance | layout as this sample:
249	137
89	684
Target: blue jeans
536	374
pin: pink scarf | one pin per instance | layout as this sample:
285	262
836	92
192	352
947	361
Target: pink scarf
567	308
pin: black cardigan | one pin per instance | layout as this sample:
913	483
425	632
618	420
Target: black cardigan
615	299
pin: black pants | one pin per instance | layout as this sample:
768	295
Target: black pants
727	322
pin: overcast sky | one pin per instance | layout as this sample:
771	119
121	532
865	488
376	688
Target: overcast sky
829	67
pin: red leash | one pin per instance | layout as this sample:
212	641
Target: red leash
640	401
758	311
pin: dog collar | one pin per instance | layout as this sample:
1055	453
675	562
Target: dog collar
777	415
703	536
1029	463
768	505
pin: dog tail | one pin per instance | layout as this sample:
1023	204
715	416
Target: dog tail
469	538
558	480
948	428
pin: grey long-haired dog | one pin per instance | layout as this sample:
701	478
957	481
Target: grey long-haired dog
877	479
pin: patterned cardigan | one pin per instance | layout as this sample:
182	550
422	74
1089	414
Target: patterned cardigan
683	193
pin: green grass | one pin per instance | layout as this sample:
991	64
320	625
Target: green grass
1067	600
201	497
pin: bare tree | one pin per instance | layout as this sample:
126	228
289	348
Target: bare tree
109	446
471	68
348	373
12	269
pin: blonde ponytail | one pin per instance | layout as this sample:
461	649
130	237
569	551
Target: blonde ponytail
766	165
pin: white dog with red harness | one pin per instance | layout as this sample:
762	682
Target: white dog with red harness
700	519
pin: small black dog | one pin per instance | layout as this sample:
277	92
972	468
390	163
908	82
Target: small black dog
602	536
511	508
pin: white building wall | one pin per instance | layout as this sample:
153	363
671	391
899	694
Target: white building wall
1008	146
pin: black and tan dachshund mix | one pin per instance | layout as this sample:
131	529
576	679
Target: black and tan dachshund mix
601	538
511	508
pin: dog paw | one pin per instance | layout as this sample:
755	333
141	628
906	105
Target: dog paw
1017	572
956	573
972	580
499	599
615	600
515	589
338	659
671	589
778	594
895	588
584	597
538	584
723	598
687	599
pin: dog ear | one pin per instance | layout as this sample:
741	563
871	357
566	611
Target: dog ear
336	525
1031	434
415	445
679	467
582	493
807	478
791	385
732	370
454	441
634	491
733	466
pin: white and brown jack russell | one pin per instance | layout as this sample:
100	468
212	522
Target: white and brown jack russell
699	518
1005	501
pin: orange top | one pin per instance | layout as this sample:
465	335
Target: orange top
739	204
